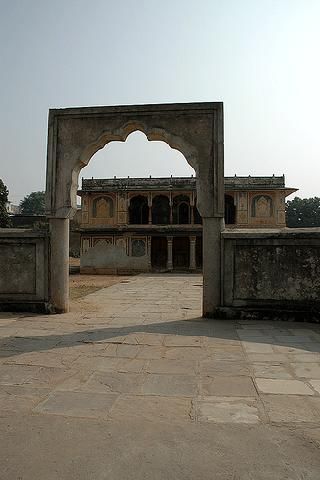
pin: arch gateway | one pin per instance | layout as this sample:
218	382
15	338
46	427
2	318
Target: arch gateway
76	134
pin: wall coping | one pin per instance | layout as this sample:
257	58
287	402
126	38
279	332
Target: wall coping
269	233
22	233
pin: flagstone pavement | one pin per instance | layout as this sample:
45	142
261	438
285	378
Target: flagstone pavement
134	384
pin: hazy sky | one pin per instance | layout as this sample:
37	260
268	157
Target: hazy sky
260	57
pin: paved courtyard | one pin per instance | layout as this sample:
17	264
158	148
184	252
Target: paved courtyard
134	384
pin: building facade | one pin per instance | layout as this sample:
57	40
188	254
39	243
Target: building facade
133	225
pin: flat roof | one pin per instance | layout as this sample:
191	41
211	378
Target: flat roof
180	183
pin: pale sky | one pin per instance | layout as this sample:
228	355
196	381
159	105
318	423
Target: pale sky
260	57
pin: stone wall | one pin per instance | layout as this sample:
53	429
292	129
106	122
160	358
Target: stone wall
105	258
271	270
24	270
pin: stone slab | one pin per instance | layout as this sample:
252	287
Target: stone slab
170	385
186	367
144	339
269	370
152	408
306	370
283	387
150	352
267	357
77	404
227	386
254	347
214	367
20	399
114	382
227	410
122	350
50	358
32	375
182	341
297	409
185	353
305	358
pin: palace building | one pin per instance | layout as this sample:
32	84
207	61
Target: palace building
131	225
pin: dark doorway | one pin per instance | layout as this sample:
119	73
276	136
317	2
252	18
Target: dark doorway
138	210
199	253
229	210
181	253
159	253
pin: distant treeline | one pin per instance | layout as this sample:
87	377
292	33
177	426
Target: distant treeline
303	212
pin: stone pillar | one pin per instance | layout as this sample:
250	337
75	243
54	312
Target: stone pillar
212	228
191	208
169	260
149	254
192	214
150	209
59	264
192	241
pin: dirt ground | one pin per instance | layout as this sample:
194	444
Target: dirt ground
82	285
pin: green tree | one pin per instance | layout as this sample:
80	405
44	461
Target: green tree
33	204
4	215
303	212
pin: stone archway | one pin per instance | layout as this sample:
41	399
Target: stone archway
76	134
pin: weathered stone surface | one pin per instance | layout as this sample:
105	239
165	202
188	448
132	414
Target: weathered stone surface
182	341
294	410
227	386
153	408
21	398
163	427
32	375
276	273
273	274
23	270
111	259
187	367
151	352
170	385
77	404
214	367
285	387
227	410
114	382
307	370
253	347
269	370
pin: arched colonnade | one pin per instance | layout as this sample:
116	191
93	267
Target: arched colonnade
163	209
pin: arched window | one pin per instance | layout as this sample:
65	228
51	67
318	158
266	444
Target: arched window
262	206
181	210
138	210
160	210
229	210
102	207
